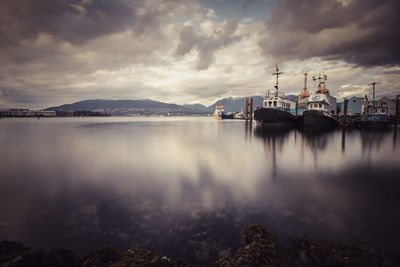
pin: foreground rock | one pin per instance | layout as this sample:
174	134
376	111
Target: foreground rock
15	254
261	249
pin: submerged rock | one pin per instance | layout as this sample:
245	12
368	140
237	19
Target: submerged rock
143	257
340	254
9	251
14	254
102	257
60	257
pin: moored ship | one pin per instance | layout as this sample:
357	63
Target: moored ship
318	107
276	109
375	116
221	114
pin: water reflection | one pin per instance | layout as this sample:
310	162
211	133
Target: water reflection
186	186
248	129
317	138
272	137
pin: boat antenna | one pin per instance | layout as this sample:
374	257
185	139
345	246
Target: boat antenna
323	78
277	73
373	90
314	79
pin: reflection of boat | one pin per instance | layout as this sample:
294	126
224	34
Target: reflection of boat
272	137
317	114
220	113
268	133
276	109
375	117
372	141
310	131
317	137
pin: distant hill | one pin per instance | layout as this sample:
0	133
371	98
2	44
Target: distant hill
199	107
292	97
126	107
236	104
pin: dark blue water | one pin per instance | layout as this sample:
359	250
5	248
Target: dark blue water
187	186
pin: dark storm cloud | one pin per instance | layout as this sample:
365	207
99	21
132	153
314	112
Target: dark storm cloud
364	32
24	24
72	21
205	45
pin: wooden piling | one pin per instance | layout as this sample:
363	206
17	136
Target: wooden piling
345	102
251	108
246	114
397	115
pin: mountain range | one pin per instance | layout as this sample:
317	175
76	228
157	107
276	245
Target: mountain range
148	107
125	107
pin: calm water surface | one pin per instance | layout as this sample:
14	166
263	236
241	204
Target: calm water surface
186	186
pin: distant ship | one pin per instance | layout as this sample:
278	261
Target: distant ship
221	114
276	109
375	116
318	108
239	115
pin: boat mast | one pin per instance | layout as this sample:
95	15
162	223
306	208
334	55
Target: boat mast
319	81
305	80
373	91
277	73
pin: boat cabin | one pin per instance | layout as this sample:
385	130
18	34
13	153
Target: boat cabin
376	113
377	110
279	102
318	102
219	108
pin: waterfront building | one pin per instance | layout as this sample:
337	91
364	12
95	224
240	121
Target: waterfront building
354	105
24	112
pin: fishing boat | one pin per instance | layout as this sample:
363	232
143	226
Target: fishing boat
221	114
318	108
375	118
375	115
276	109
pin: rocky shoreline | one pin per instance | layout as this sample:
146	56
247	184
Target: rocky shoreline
260	249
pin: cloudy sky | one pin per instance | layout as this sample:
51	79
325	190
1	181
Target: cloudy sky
193	51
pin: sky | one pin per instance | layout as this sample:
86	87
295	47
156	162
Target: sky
55	52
